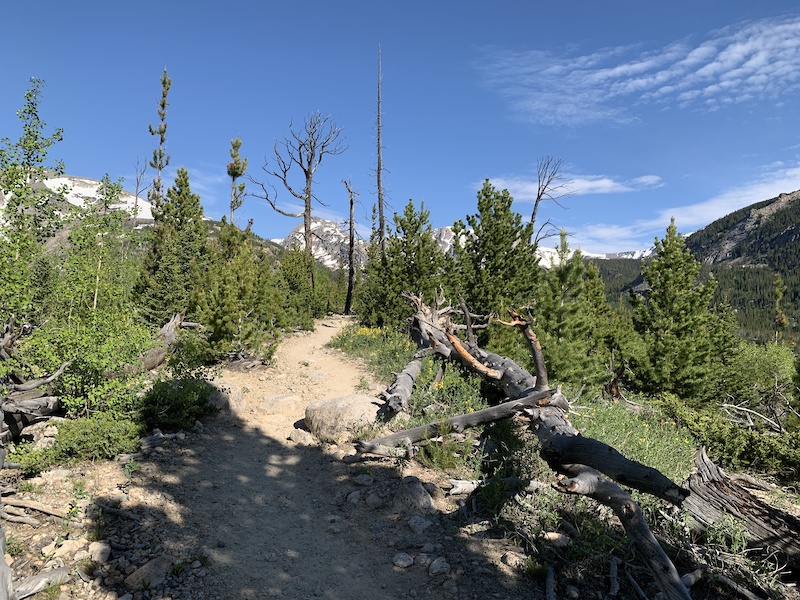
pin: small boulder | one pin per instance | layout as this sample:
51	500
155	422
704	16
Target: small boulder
227	396
411	497
151	574
337	418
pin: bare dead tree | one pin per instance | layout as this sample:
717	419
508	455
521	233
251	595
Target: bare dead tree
351	249
305	149
139	172
381	214
550	186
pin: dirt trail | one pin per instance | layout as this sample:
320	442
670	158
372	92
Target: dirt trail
241	512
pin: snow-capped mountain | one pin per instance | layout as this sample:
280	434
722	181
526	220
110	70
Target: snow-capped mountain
83	190
632	254
329	243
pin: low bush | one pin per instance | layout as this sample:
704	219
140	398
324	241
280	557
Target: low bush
735	446
101	436
174	404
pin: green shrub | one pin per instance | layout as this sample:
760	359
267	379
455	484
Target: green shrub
736	446
174	404
98	347
99	437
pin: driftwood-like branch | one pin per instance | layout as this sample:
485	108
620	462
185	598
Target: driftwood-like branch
564	449
533	345
586	481
42	581
548	412
33	505
460	423
36	383
165	339
396	395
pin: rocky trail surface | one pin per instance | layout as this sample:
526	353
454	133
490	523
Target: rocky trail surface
249	505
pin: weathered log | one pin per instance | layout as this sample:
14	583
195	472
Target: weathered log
714	495
431	329
165	339
42	581
13	517
33	505
534	346
459	423
563	448
396	395
586	481
6	576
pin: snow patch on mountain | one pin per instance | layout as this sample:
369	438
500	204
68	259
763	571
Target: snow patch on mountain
82	191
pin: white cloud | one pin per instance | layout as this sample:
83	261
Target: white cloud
524	187
748	62
602	237
771	184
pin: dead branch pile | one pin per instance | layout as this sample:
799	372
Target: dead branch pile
585	466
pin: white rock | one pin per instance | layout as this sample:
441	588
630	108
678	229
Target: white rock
402	560
99	551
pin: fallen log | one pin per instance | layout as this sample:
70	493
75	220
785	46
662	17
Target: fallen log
715	496
548	411
459	423
396	395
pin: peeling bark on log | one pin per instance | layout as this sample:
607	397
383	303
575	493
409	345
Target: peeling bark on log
396	395
714	495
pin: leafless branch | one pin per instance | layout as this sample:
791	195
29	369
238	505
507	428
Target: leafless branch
550	186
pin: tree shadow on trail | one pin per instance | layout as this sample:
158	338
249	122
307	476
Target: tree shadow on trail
234	513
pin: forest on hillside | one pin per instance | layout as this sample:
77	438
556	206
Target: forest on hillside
84	311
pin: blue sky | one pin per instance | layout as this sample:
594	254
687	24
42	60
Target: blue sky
684	109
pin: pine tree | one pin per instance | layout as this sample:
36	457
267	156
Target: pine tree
160	159
236	168
236	296
412	263
494	264
570	319
179	241
675	321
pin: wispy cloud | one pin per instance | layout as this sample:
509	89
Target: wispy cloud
747	62
524	188
777	180
604	237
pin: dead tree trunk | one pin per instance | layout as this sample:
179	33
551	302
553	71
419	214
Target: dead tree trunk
708	495
26	400
714	496
561	442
